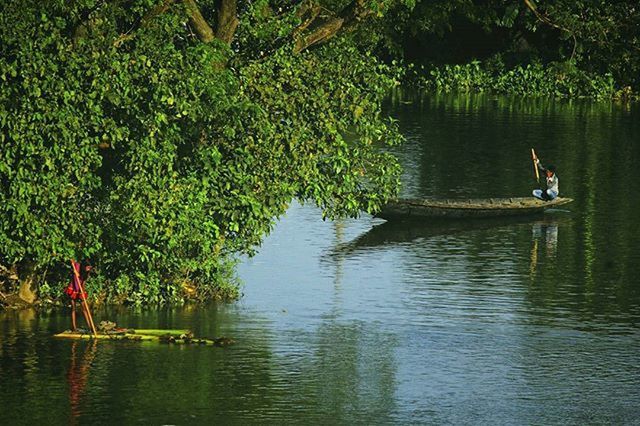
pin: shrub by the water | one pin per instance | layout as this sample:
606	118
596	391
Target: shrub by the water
556	79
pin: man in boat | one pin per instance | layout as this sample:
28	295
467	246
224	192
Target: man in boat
552	190
75	290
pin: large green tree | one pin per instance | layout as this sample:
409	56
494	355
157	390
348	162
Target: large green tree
161	138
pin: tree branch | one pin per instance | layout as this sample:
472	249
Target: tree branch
306	8
532	7
201	26
350	16
227	20
319	34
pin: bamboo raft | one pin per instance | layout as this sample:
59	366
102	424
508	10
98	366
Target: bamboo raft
153	335
489	207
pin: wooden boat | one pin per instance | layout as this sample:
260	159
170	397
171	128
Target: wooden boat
489	207
138	335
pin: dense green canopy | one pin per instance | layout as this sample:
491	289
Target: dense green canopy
583	47
158	139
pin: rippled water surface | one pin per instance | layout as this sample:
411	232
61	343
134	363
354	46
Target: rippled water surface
522	321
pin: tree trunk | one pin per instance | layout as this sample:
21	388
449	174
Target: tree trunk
320	34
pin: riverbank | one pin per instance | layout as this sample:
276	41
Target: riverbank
12	301
52	299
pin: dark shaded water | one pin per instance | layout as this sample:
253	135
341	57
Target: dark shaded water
525	321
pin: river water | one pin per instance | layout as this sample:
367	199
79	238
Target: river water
523	321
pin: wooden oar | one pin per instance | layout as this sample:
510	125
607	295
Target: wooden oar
85	305
535	166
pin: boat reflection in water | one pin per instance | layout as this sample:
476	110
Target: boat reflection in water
397	232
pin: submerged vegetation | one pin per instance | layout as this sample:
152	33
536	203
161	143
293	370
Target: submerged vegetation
160	139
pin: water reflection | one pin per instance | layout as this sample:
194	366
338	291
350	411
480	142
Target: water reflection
519	321
545	234
351	374
81	359
386	235
353	361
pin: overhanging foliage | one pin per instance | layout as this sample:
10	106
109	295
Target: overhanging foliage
157	145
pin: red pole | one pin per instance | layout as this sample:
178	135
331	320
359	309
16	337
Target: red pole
84	299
